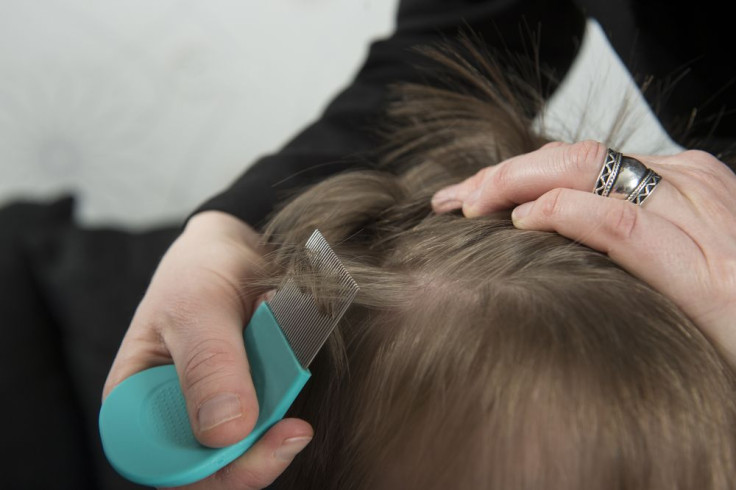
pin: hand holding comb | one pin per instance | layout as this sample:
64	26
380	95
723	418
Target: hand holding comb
144	424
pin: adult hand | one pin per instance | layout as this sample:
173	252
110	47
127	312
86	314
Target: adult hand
682	241
193	315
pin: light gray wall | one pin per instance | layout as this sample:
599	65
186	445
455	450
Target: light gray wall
143	108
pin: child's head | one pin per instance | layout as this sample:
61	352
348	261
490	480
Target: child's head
477	355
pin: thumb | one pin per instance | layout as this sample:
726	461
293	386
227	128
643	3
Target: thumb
193	313
208	351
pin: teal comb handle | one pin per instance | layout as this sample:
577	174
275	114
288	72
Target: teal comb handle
144	424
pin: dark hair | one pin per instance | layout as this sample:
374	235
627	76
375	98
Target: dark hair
477	355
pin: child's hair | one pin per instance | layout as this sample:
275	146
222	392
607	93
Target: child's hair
477	355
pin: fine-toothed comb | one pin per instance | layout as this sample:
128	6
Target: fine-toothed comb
144	424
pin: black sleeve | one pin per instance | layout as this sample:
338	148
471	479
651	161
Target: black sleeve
346	129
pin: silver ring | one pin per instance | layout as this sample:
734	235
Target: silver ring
608	173
626	178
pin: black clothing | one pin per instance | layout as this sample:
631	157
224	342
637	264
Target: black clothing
335	142
653	37
67	295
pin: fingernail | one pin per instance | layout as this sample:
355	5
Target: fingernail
291	447
446	200
446	194
520	212
218	410
445	206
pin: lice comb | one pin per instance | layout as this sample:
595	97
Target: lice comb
306	325
144	424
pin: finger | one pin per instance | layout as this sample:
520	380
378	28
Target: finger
263	462
452	197
524	178
205	339
528	176
643	243
139	350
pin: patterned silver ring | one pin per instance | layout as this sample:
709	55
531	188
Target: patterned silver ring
623	177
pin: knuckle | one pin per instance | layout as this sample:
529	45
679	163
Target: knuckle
699	156
484	176
583	155
621	219
159	321
205	361
501	177
162	317
706	168
698	161
550	204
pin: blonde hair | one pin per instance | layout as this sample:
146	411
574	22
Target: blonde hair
477	355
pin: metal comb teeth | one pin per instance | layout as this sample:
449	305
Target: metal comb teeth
306	325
